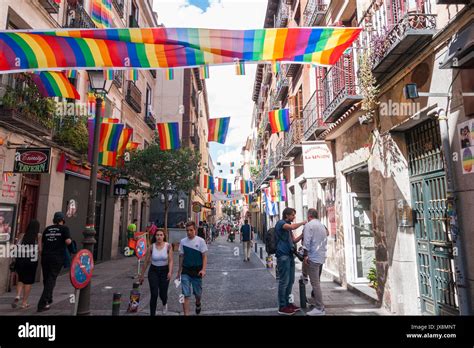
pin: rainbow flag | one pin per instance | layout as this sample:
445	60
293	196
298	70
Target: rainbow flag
229	188
212	185
232	164
170	47
240	67
91	105
108	74
124	140
109	136
222	185
204	72
108	158
54	84
132	146
207	181
70	74
169	74
246	197
276	67
169	135
132	74
101	13
246	186
110	120
209	197
279	120
218	128
278	190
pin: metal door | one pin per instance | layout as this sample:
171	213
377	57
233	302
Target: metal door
433	238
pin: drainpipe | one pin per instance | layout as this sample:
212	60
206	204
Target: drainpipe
458	247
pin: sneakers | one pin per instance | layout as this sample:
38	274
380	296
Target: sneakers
294	308
165	309
15	302
286	311
198	308
45	308
316	312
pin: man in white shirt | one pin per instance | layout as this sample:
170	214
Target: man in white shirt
314	245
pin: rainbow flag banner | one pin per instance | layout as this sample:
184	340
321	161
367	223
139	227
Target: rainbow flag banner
108	74
212	185
169	74
246	186
222	185
246	197
101	13
169	135
132	146
229	189
276	67
110	120
239	67
132	75
278	190
71	74
108	158
218	128
204	72
152	48
232	164
124	140
54	84
207	182
109	136
279	120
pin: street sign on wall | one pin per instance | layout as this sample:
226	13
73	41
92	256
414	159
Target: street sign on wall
32	160
317	160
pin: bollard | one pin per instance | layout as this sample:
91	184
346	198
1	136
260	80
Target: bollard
303	298
261	253
116	303
256	248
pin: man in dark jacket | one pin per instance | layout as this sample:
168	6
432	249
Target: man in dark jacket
55	240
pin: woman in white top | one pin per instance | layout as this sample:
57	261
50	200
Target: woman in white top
160	254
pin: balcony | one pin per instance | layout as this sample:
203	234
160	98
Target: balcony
134	97
394	45
77	17
282	16
118	78
150	119
313	123
119	6
293	138
50	6
132	22
281	89
340	88
314	13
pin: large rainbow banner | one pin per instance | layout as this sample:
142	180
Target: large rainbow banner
128	48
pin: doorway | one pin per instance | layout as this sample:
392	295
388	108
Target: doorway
29	200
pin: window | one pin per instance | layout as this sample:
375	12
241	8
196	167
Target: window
145	144
134	16
148	100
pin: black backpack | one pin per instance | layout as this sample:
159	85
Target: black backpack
270	241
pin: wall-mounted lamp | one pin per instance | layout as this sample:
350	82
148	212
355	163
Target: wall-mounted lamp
410	91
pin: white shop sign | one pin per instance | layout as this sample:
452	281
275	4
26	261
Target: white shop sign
317	160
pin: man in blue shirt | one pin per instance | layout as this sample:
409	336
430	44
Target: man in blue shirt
285	259
246	237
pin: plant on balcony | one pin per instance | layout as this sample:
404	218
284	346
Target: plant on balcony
255	171
26	100
369	89
379	45
72	132
372	276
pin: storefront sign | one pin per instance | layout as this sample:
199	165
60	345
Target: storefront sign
120	187
317	160
32	161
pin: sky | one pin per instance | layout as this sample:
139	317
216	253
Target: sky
229	94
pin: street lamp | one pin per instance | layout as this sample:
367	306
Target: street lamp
100	87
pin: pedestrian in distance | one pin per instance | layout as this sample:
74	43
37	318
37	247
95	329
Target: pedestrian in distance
315	246
159	275
285	259
55	239
192	266
26	265
131	229
246	237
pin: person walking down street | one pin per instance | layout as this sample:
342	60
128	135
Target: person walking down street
131	229
285	259
161	256
26	265
192	266
314	245
55	238
246	237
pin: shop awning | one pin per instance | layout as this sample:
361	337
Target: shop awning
461	50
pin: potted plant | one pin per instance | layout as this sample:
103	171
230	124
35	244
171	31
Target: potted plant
372	276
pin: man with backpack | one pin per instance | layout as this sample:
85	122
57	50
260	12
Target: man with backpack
280	242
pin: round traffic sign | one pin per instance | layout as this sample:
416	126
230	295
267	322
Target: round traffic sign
82	266
140	249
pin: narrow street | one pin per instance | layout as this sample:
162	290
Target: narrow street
231	287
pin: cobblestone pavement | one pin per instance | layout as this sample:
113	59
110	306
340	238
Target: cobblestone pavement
231	287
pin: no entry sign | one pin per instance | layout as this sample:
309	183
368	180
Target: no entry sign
82	267
140	250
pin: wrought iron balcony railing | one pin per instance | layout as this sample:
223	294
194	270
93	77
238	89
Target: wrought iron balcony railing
313	123
77	17
118	78
134	96
119	7
281	88
50	5
314	12
293	138
283	14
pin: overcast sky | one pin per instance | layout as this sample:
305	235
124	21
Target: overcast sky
229	94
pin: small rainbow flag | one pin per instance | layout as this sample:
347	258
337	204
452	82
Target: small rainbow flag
218	128
276	67
246	186
132	74
91	105
110	120
231	171
169	135
222	185
240	67
207	181
279	120
204	72
229	188
108	74
124	139
246	197
109	136
278	190
209	197
55	84
169	74
132	146
108	158
101	13
232	164
212	184
71	74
